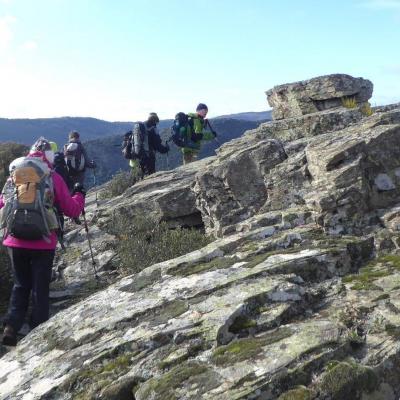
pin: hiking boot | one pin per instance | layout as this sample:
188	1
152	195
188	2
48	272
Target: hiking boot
9	336
77	221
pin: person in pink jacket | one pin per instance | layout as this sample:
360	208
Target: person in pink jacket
32	260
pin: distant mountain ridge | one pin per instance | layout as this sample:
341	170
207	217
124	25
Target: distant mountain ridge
25	131
256	116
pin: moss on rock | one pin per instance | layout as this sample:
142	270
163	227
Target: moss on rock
241	323
300	393
364	280
347	380
166	386
384	296
393	331
215	264
247	348
90	380
392	259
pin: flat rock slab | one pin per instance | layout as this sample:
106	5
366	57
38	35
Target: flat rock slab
136	327
317	94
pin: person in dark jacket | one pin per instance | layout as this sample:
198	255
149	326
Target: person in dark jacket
60	166
146	142
77	159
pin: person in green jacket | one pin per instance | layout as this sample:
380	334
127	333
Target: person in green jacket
197	132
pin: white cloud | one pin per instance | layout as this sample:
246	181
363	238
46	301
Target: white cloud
30	45
382	4
6	32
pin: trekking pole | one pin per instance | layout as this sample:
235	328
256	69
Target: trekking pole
94	185
167	155
213	131
90	243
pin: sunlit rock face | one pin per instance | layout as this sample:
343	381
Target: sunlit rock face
298	296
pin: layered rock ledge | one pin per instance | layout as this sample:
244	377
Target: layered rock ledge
298	296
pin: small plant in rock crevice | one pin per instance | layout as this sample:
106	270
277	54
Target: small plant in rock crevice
366	109
349	102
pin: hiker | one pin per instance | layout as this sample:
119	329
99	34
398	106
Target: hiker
141	144
77	159
196	133
60	166
29	220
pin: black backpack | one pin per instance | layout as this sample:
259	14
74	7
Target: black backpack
182	123
127	146
60	166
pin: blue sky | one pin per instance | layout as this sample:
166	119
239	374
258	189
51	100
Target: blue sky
119	60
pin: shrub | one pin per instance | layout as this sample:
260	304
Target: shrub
366	109
143	242
349	102
8	153
119	183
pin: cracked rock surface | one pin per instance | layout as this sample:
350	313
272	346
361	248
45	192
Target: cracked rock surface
298	296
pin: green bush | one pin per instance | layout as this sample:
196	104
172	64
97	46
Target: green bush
5	279
119	183
8	153
366	109
143	242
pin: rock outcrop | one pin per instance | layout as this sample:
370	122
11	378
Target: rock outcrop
318	94
297	297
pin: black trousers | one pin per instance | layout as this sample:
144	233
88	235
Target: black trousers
79	177
32	275
148	164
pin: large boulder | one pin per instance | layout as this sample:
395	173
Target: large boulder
337	175
353	175
308	125
194	326
317	94
164	196
232	188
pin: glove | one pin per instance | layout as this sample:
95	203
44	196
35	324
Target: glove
78	188
214	133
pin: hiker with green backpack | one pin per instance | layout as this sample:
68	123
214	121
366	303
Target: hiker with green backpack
141	144
190	130
29	218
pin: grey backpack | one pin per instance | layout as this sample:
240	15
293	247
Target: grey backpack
28	195
75	157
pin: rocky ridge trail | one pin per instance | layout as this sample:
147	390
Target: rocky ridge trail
298	297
